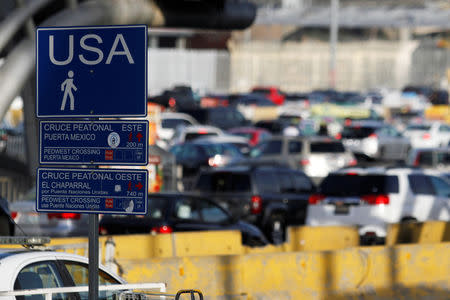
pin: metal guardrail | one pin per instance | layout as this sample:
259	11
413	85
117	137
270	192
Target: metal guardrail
127	295
49	292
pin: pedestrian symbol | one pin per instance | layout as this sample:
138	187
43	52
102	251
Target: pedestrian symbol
67	87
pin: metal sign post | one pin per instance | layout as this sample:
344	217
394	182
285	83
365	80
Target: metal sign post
92	72
93	256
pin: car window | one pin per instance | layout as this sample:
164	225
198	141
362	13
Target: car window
174	123
441	186
267	148
357	132
156	207
212	213
421	184
444	128
421	127
190	153
39	275
186	209
224	182
79	273
295	146
302	183
443	158
266	182
286	182
357	185
324	147
193	135
425	158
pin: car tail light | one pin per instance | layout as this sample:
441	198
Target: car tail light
172	102
65	216
417	160
14	214
256	205
102	230
315	199
304	162
353	162
202	131
162	229
373	135
376	199
338	136
426	136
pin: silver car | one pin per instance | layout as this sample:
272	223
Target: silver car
375	140
316	156
31	223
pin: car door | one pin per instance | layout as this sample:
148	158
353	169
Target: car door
42	274
79	275
298	202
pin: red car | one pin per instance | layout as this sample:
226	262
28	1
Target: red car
254	134
271	92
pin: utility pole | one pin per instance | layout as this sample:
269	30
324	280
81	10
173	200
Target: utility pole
334	28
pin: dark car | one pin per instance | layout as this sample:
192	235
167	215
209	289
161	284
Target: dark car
177	212
222	117
195	155
6	223
270	196
178	98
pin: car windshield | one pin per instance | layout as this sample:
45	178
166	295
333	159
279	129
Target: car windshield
224	182
420	127
325	147
222	149
357	185
267	148
356	132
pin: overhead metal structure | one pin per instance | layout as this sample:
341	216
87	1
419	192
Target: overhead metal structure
357	16
17	71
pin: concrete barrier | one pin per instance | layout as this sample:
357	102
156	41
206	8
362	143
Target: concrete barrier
217	264
401	272
426	232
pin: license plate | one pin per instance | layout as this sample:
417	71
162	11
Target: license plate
341	210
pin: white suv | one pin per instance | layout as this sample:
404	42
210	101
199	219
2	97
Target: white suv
373	197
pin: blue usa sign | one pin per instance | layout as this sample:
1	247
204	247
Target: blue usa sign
96	71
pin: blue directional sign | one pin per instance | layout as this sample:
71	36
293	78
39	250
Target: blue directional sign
102	191
95	143
91	71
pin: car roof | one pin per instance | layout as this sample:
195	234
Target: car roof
382	170
221	139
193	128
367	123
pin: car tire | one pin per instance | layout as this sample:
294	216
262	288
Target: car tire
276	229
5	229
408	220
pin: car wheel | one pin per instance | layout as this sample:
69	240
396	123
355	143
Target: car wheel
276	229
4	226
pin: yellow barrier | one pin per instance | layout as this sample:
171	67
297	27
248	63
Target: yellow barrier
217	264
401	272
427	232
